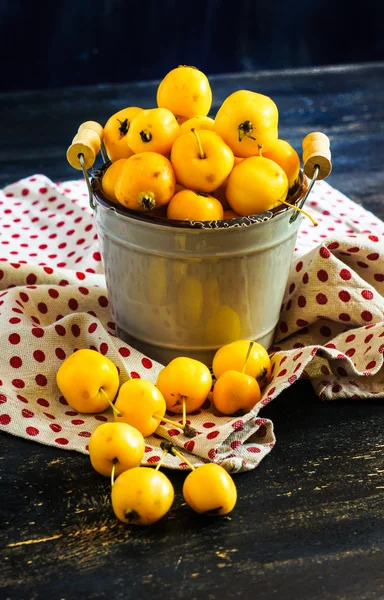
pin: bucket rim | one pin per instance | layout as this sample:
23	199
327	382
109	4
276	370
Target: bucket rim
295	194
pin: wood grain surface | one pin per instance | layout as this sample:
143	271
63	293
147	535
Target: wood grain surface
309	522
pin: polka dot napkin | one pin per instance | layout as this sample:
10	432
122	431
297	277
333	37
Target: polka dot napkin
53	300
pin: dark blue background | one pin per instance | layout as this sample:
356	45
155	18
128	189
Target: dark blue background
54	43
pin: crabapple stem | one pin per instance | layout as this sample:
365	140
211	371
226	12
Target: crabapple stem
202	155
302	211
113	474
183	458
184	413
165	451
247	356
169	447
188	430
168	421
117	412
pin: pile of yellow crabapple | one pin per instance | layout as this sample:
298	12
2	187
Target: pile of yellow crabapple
89	381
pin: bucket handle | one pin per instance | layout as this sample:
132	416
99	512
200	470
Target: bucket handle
317	163
82	153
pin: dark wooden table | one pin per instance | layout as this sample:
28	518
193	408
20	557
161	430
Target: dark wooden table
309	521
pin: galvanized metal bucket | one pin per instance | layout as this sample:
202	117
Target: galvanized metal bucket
186	288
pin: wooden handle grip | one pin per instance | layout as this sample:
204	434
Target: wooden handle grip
92	125
87	142
316	152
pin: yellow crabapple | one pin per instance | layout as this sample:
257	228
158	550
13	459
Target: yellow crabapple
115	445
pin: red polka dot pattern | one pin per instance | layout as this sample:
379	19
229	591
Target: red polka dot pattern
341	291
50	255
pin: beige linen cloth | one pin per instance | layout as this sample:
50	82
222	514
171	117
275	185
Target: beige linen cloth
53	300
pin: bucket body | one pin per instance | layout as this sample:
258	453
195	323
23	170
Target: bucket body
179	291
